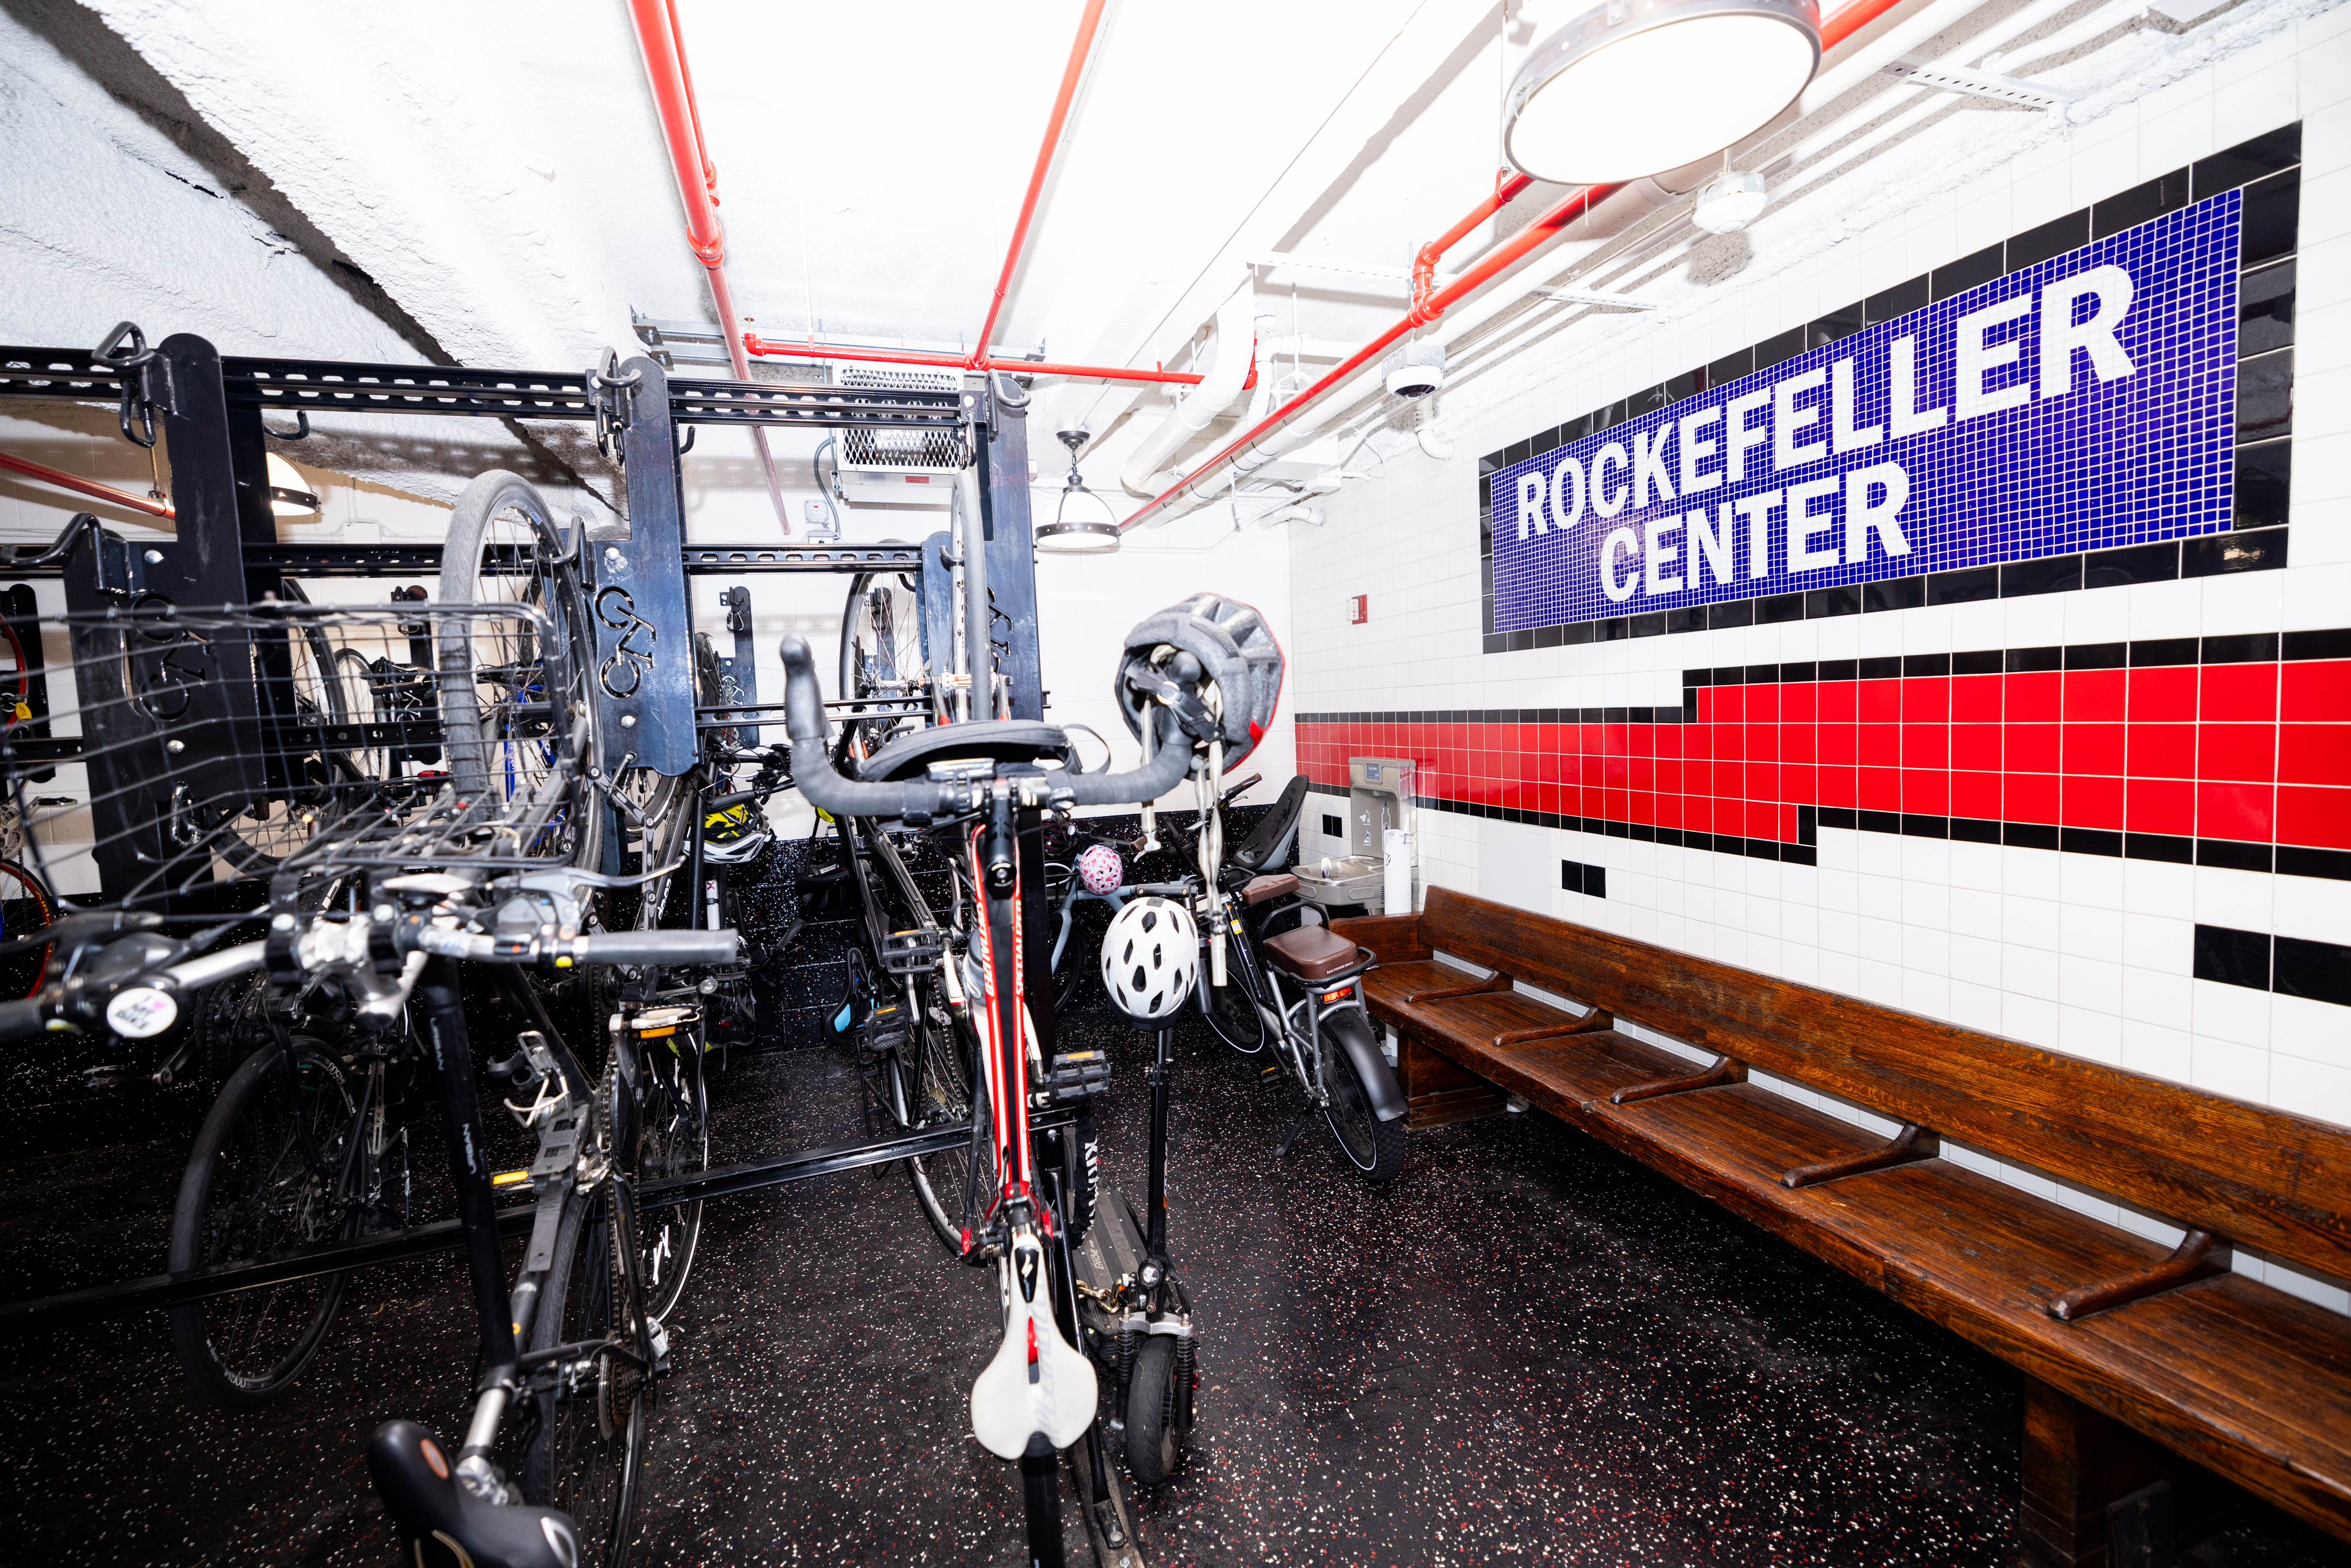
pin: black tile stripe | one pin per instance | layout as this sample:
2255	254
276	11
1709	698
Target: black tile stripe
2290	966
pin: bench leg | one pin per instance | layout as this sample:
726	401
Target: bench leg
2092	1485
1437	1091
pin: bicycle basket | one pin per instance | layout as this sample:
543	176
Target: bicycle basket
154	749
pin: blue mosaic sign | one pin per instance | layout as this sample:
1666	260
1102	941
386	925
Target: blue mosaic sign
2080	404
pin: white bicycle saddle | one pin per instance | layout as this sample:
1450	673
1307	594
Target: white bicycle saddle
1039	1383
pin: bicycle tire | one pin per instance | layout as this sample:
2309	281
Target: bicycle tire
1158	1413
21	973
1375	1148
227	1345
944	1097
489	748
675	1141
1234	1009
880	650
584	1452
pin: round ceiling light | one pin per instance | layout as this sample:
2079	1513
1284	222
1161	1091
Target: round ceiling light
289	493
1629	89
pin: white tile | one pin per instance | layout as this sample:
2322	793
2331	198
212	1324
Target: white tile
2242	899
2159	610
2091	1034
2158	941
2237	1017
2093	934
2094	984
2157	999
2156	887
2311	1032
1976	1006
2309	1287
2034	923
2154	1049
2222	1067
2030	1020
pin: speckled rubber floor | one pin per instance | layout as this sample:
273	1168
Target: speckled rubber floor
1529	1350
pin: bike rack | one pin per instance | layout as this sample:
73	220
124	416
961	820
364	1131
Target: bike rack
41	1313
226	550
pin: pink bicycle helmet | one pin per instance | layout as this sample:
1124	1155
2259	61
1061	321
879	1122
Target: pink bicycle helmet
1101	869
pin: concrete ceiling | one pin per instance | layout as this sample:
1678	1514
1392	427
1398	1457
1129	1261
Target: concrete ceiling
486	183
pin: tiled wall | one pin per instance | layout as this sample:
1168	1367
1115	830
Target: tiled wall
2055	815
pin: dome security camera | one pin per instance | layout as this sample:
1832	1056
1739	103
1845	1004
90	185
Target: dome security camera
1416	370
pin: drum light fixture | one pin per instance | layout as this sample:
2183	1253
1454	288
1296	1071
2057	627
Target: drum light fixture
1631	89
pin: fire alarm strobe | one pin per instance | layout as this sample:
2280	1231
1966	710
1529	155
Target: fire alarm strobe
1359	609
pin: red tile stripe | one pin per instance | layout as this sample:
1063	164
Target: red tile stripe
2258	752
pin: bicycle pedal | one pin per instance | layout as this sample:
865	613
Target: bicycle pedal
1270	1074
1075	1075
913	952
886	1029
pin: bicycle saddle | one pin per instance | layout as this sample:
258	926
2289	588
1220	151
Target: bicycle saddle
1037	1394
445	1526
998	739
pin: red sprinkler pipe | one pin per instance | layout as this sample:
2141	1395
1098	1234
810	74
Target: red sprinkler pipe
811	349
663	48
89	488
1430	303
1079	49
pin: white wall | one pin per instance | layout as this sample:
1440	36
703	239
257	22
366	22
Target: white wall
2077	953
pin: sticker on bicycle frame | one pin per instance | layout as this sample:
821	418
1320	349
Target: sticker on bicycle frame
142	1012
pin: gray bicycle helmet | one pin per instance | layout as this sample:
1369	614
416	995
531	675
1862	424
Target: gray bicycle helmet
1207	643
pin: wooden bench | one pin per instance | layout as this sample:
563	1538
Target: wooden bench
2119	1341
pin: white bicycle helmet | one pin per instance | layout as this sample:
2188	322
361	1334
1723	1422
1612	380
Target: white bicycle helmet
1150	960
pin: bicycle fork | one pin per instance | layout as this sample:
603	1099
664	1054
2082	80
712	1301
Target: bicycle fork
453	1065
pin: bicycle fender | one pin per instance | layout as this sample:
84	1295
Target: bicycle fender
1354	1031
1038	1386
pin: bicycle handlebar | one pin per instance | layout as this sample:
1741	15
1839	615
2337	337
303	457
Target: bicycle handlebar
924	798
702	947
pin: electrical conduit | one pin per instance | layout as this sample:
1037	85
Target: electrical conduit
1226	379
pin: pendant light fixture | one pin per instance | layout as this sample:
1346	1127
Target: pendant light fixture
1635	86
1082	523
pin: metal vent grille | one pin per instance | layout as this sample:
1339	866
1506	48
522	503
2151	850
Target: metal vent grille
900	451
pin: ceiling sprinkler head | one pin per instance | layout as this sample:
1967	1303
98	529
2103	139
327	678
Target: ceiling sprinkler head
1416	370
1729	202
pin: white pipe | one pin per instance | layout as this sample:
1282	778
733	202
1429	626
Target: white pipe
1236	343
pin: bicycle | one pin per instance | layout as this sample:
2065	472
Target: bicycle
1194	679
392	884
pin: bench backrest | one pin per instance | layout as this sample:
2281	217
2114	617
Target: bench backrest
2270	1179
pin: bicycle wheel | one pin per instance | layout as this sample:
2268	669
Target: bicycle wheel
1233	1009
585	1448
944	1098
1372	1146
881	651
251	1194
28	908
675	1141
507	699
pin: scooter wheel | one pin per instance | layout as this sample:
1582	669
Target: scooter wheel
1158	1414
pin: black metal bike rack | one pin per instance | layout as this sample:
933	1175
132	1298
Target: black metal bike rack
210	408
41	1313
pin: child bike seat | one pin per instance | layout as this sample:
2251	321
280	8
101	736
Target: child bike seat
1313	953
1269	843
1263	889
